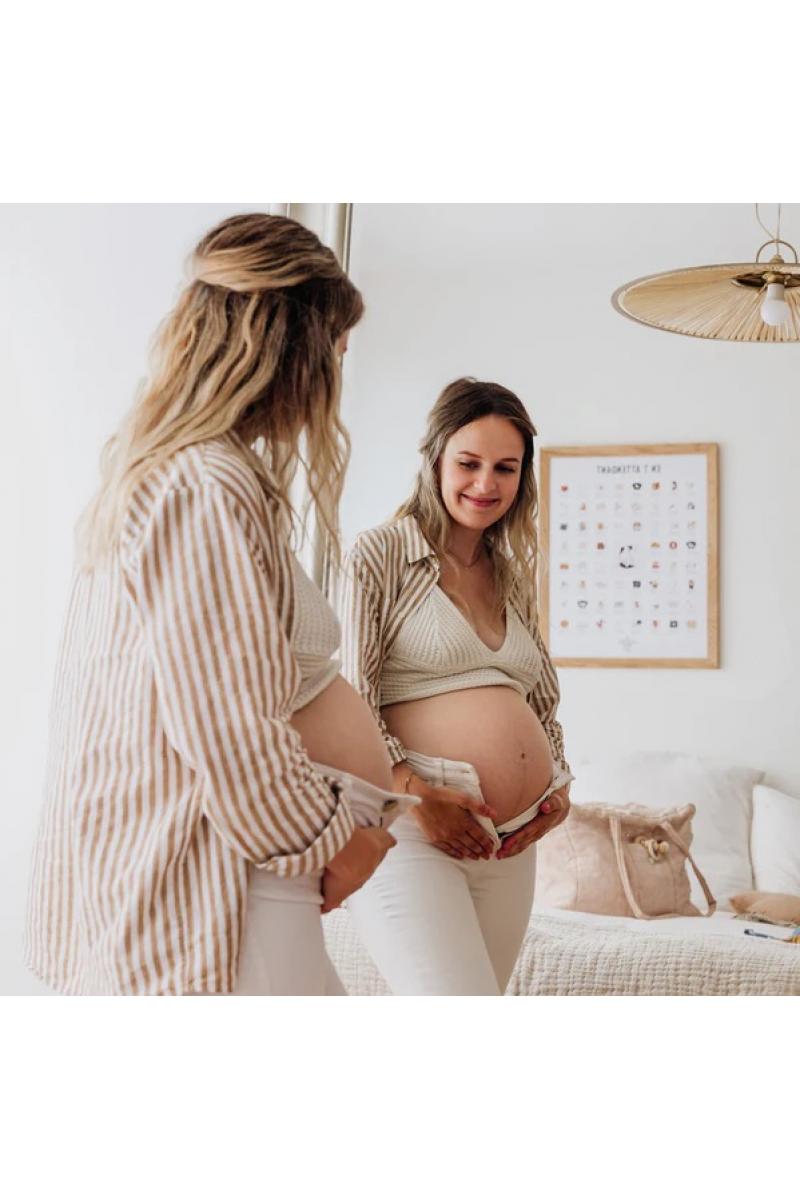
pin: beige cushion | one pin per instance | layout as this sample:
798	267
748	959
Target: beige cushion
770	906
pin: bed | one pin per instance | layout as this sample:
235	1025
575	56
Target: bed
583	954
746	836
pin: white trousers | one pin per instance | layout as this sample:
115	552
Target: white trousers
442	926
283	950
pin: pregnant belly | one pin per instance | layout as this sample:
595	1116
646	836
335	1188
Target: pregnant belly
339	730
492	728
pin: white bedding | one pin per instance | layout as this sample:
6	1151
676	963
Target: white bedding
721	924
583	954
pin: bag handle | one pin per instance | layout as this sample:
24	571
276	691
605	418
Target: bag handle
622	867
701	879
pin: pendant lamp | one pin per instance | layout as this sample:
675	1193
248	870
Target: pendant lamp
733	302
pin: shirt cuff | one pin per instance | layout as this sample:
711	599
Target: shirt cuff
333	838
397	753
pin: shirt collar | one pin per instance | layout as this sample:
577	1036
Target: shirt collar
416	546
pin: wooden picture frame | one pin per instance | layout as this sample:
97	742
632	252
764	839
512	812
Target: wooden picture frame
629	555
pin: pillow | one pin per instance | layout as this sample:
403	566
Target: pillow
722	796
770	906
775	841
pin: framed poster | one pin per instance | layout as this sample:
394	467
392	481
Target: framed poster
629	555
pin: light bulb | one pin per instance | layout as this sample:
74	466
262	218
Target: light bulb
775	310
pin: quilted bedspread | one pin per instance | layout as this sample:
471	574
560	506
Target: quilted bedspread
576	954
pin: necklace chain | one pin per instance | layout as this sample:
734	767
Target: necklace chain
460	561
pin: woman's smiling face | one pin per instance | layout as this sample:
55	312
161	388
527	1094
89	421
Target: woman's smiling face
479	471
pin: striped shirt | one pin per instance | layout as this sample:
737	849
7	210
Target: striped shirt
172	762
386	577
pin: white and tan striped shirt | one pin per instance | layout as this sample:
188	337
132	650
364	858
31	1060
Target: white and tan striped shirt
386	576
172	762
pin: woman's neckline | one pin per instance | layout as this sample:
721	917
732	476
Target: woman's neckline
472	628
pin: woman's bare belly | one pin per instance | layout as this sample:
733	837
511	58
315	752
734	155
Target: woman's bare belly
492	728
338	729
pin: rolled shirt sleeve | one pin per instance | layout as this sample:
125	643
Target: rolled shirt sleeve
363	642
544	698
226	676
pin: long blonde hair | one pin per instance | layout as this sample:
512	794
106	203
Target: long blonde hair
250	348
512	542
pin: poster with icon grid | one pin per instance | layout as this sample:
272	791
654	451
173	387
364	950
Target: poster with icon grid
629	555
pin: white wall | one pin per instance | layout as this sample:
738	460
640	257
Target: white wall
517	294
521	295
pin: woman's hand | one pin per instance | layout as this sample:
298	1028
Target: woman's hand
552	813
405	781
445	817
352	866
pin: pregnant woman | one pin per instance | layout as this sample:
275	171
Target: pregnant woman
191	834
441	640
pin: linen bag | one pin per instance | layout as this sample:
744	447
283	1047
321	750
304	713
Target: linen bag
621	861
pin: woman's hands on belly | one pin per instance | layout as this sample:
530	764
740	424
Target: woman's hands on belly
447	816
338	729
554	810
451	828
492	728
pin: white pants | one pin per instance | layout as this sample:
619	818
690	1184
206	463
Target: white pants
283	950
442	926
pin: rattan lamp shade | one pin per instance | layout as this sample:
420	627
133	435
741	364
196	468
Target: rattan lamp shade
722	302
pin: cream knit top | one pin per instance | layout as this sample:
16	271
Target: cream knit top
436	650
387	575
315	638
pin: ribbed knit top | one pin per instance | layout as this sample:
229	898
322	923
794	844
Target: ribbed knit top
436	650
315	638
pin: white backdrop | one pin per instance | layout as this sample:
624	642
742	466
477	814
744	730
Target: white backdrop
519	294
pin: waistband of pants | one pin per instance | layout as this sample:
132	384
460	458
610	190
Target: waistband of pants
447	772
559	780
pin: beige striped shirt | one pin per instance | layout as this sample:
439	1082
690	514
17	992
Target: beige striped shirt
172	762
386	576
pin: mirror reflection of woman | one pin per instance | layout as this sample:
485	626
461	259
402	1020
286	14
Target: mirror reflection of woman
213	782
441	639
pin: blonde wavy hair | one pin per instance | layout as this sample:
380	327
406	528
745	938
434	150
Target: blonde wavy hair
512	542
250	347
